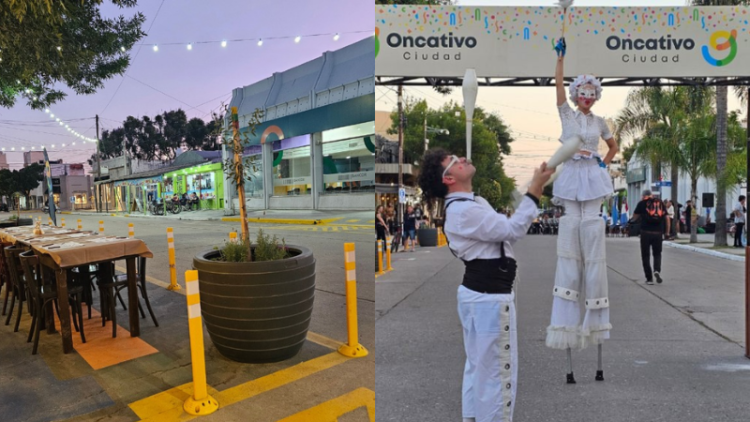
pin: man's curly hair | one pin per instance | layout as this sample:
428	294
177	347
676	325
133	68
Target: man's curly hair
431	175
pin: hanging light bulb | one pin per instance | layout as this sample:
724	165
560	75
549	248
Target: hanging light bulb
63	144
336	37
190	46
122	48
57	119
61	123
46	110
260	42
53	145
34	98
298	39
224	43
27	90
74	143
52	115
23	148
59	48
156	48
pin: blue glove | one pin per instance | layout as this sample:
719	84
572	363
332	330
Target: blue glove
560	47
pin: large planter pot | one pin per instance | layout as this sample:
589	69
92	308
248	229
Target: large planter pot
16	223
257	312
427	237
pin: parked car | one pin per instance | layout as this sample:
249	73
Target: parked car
4	207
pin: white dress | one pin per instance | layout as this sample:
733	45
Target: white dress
581	178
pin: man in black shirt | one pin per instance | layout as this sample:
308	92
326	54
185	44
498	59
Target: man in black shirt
410	228
651	213
688	216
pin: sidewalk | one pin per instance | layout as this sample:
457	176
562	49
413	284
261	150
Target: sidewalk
706	245
676	352
302	217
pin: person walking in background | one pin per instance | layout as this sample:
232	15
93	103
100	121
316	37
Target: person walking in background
651	213
410	228
677	222
739	221
669	220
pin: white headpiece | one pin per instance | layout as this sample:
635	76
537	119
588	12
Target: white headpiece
584	80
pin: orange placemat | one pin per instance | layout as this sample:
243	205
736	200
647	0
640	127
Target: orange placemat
100	349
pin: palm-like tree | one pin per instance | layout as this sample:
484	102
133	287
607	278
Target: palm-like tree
655	112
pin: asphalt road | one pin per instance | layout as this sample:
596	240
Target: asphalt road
676	353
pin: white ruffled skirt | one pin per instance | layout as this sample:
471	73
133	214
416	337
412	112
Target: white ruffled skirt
581	179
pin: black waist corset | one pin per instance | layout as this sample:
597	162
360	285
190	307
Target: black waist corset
495	276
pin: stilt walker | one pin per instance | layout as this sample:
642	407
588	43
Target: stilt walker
581	185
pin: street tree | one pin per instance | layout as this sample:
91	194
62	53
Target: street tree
47	44
490	139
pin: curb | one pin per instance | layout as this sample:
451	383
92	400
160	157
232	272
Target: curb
707	252
283	220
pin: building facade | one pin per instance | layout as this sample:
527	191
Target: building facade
314	146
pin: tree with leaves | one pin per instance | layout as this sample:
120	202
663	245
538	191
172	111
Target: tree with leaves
46	43
491	138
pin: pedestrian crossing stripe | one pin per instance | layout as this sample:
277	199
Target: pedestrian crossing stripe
331	410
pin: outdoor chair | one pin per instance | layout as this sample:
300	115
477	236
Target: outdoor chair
109	290
4	275
42	292
17	286
141	284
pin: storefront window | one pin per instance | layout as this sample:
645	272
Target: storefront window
292	174
253	162
202	184
349	166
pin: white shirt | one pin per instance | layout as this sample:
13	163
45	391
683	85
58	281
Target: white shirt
475	230
589	126
670	211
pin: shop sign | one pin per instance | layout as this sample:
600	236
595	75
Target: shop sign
290	181
360	176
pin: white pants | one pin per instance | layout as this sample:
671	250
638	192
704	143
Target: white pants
581	276
491	371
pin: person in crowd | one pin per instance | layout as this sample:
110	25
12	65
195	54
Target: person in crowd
669	221
739	220
677	222
688	216
381	227
651	212
410	229
581	186
483	240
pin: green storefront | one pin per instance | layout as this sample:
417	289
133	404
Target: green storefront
206	181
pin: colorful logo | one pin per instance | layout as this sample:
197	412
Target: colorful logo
730	43
377	41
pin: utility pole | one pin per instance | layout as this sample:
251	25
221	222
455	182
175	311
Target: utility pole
426	141
98	168
400	216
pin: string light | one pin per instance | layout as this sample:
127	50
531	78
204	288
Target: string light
297	40
336	37
190	46
156	48
260	42
223	43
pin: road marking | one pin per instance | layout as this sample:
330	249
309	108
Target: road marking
356	220
331	410
167	405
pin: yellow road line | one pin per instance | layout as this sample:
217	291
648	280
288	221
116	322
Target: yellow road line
306	221
167	405
332	409
353	221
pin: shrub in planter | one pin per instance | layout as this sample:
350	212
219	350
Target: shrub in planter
257	311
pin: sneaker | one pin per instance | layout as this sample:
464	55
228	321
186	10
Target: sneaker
649	281
658	277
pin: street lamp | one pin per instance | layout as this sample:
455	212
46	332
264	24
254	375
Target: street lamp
428	129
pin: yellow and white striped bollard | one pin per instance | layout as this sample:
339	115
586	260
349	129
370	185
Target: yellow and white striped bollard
172	269
233	237
200	403
353	349
63	222
80	227
101	226
49	221
388	243
380	257
131	231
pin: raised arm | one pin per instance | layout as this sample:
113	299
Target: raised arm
559	82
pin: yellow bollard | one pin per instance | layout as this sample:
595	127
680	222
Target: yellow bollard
353	349
200	403
49	222
388	243
101	226
80	227
131	231
63	222
233	237
172	269
380	257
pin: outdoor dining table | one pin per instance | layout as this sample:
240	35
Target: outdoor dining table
62	250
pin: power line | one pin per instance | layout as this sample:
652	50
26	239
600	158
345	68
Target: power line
164	93
134	57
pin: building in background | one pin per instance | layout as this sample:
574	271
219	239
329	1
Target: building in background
4	161
314	148
72	188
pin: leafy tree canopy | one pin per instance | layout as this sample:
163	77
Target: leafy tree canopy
46	42
490	140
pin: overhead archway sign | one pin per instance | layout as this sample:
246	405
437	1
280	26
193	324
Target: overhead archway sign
517	42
